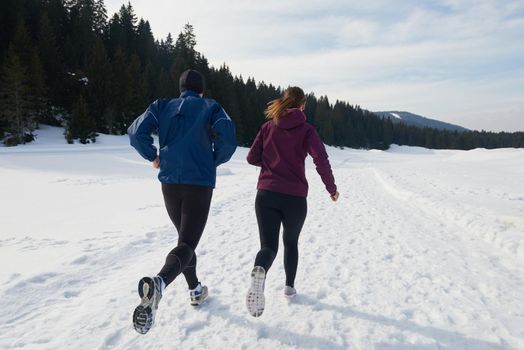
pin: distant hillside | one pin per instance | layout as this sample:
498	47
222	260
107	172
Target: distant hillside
419	121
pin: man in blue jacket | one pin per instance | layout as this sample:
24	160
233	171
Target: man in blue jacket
195	136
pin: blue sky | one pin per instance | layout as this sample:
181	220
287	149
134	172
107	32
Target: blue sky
459	61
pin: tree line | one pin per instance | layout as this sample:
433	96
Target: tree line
66	62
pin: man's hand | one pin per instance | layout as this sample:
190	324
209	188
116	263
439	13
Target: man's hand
156	163
335	197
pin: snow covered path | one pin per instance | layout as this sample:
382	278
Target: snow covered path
424	250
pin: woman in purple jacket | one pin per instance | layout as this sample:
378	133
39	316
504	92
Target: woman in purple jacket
280	149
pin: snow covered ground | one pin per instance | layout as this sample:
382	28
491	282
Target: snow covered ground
424	250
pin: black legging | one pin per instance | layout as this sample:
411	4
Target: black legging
188	208
273	209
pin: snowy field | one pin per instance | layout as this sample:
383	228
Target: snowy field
424	250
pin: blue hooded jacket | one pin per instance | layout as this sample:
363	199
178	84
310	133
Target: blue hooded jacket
195	136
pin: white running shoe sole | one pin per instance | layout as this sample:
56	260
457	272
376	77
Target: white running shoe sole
144	314
255	300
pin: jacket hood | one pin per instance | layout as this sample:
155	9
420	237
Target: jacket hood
291	118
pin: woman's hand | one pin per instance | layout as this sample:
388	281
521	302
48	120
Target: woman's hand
335	197
156	163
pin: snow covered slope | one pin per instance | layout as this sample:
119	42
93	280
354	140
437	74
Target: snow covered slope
418	121
424	250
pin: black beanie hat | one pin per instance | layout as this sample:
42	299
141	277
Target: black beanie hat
191	80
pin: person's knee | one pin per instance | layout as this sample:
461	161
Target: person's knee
183	251
183	244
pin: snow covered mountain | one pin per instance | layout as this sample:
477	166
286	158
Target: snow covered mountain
418	121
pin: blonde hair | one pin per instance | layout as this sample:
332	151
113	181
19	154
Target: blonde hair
293	97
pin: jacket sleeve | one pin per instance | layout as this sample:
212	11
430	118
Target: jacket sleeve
316	149
254	157
224	136
140	132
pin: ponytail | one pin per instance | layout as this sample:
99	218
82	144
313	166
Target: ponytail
293	97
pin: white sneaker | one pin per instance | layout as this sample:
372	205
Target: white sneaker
290	292
255	300
150	291
198	295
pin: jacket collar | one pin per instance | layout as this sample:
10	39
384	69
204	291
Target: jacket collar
189	93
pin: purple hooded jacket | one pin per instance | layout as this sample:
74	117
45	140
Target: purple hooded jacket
281	149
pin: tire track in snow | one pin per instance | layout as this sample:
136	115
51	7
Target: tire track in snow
474	224
446	260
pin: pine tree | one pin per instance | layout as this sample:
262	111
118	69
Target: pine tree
225	95
146	49
387	135
121	92
83	23
137	96
128	23
115	35
252	117
185	46
21	43
81	125
10	14
178	66
15	100
322	115
100	18
169	44
50	57
149	78
338	120
59	20
99	89
39	89
165	87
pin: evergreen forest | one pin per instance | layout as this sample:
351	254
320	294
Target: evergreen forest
69	63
